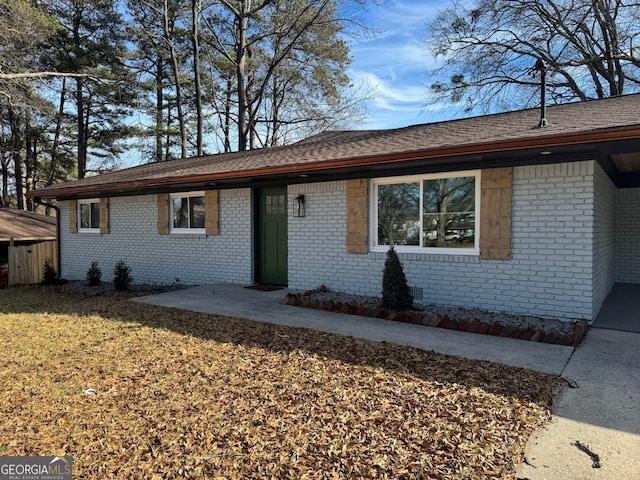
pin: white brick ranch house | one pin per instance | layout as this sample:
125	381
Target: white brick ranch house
491	212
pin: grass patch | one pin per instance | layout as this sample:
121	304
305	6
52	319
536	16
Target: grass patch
191	395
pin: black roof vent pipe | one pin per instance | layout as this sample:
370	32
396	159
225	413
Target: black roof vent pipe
542	68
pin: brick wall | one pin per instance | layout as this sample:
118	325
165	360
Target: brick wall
153	258
549	274
317	244
553	271
628	236
604	237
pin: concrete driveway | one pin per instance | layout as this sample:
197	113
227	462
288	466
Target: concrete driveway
596	419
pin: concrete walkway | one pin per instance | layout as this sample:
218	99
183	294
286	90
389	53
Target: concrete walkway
235	301
602	413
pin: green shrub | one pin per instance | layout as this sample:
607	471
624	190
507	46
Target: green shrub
49	273
94	274
396	294
122	276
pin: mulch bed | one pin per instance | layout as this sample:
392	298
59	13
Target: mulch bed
136	391
471	325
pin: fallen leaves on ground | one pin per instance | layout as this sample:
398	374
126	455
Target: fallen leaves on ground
189	395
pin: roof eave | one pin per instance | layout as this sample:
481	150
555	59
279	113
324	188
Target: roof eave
442	153
27	239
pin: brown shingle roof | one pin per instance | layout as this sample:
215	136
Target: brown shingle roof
569	123
21	225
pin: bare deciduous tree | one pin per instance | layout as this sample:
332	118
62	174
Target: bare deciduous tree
289	65
487	50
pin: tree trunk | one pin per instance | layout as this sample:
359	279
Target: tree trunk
29	162
53	168
16	147
79	96
159	109
608	30
4	165
167	143
275	117
251	114
168	30
195	18
82	132
227	116
241	58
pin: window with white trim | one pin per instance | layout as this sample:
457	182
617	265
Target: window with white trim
89	215
427	213
187	212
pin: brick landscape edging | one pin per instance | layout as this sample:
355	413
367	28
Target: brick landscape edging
471	325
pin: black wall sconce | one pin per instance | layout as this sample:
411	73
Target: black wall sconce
299	207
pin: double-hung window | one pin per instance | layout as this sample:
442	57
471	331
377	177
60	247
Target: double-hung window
427	213
89	215
187	212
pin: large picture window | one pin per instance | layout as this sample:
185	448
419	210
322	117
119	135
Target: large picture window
89	215
427	213
187	212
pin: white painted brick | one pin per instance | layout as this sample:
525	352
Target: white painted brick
628	236
566	219
160	259
603	237
545	258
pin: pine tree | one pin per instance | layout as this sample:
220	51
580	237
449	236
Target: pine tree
94	274
396	294
122	276
91	40
49	273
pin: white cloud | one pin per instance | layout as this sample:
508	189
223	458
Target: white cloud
394	65
395	104
404	16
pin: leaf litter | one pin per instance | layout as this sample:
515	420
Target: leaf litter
189	395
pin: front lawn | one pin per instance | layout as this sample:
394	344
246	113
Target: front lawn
190	395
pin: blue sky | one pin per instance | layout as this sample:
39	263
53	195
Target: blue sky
394	64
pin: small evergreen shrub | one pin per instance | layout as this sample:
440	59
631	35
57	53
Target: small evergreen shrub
49	273
396	294
122	276
94	274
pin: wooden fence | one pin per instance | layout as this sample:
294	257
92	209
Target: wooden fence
26	262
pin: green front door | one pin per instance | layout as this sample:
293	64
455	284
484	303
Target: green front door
272	236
